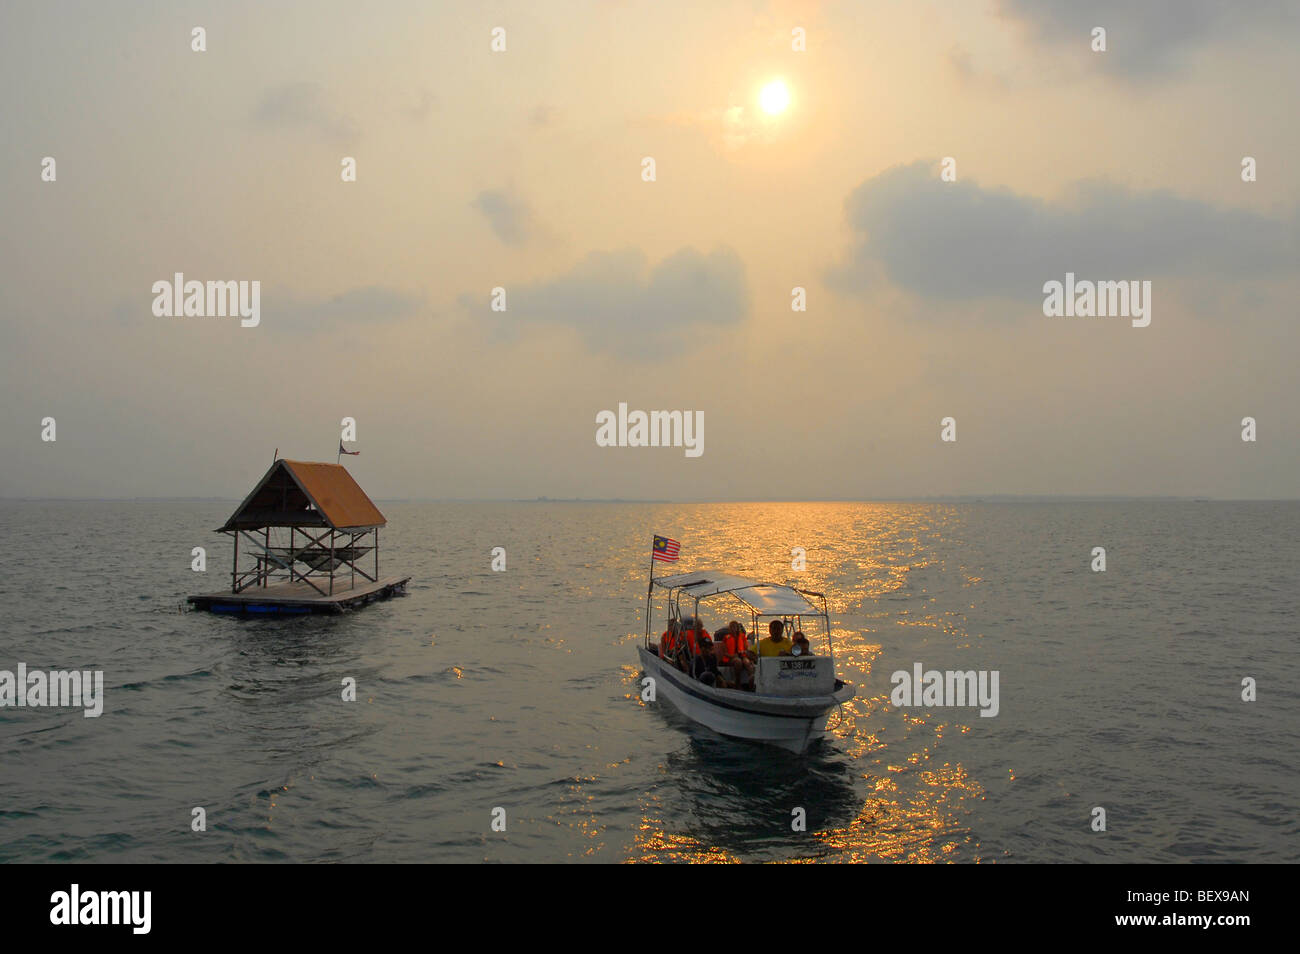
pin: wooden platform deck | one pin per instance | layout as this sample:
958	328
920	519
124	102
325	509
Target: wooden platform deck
298	598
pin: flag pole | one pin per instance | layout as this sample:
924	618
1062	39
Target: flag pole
649	588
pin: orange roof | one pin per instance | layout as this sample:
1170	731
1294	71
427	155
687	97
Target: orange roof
296	493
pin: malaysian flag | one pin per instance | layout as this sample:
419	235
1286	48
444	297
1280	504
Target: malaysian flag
665	549
343	450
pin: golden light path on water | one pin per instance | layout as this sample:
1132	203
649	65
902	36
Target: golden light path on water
901	801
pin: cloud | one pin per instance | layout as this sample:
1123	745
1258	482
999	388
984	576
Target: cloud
543	116
426	104
620	305
303	106
734	126
1147	36
507	213
953	240
370	304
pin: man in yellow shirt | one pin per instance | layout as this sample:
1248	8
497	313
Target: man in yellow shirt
775	644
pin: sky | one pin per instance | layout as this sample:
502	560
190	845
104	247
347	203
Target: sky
523	169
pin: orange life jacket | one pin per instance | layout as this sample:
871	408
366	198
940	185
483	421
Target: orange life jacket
731	648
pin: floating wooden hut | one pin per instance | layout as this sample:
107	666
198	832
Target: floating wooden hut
310	540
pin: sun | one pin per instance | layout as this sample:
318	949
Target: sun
774	97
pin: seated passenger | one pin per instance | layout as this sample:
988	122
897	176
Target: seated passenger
775	644
684	655
672	646
734	654
801	646
669	640
692	637
704	667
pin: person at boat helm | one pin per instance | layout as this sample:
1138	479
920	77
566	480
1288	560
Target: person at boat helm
673	646
775	644
669	640
694	628
704	666
734	654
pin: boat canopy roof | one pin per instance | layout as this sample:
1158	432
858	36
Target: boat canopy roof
765	599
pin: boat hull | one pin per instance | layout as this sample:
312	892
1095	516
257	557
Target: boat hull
791	723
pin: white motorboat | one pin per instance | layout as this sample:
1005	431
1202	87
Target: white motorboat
792	695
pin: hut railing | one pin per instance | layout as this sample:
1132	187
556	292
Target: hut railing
325	556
